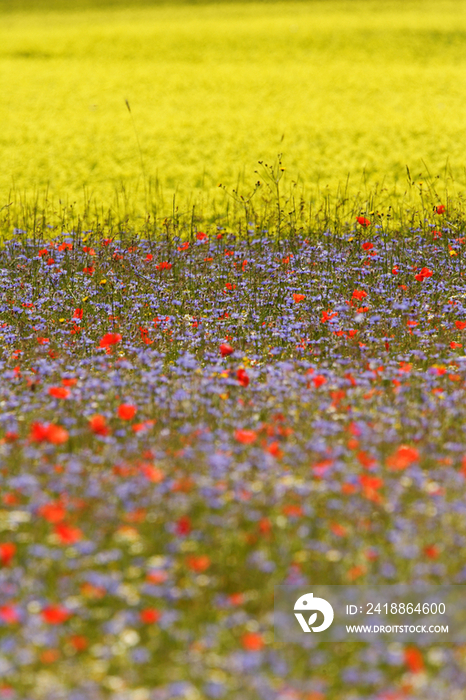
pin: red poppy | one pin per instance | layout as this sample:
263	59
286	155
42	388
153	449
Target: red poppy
198	563
79	642
150	615
274	449
59	392
320	468
141	427
43	432
157	576
7	552
49	656
183	526
246	437
423	274
371	485
298	297
327	315
98	425
127	411
359	294
90	591
402	458
201	236
68	534
56	434
293	511
55	614
338	530
236	598
9	614
356	572
440	209
363	221
152	473
53	512
366	460
432	551
226	349
413	659
109	339
10	499
242	377
461	325
145	336
319	380
252	641
367	245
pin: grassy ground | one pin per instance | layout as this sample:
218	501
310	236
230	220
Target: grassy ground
360	89
187	423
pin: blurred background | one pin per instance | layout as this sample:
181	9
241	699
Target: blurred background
349	92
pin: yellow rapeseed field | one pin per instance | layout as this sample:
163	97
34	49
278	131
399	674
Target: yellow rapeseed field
360	88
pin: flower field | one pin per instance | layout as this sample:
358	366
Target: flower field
222	371
190	418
